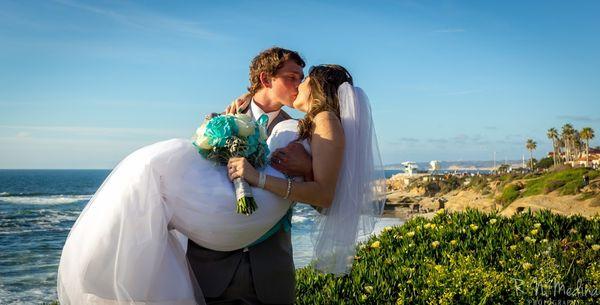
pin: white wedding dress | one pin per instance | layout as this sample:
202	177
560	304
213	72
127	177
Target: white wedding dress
123	248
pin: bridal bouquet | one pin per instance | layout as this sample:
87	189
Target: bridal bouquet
228	136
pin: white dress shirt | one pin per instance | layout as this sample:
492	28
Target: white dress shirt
256	112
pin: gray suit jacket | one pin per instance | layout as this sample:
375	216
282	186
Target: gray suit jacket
272	264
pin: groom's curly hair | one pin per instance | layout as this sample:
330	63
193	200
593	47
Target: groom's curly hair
324	82
269	61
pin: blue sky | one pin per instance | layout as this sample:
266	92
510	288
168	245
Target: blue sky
82	84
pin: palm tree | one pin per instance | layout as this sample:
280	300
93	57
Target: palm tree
577	144
586	134
567	135
531	145
553	135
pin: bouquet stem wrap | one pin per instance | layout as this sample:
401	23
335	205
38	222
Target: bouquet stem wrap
243	193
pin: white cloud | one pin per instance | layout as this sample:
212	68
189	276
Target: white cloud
23	134
579	118
450	30
89	131
145	20
462	92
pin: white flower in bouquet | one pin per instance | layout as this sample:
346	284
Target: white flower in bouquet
244	124
200	139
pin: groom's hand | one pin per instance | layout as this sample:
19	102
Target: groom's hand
240	104
294	161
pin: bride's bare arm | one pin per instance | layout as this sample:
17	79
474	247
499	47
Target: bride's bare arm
327	145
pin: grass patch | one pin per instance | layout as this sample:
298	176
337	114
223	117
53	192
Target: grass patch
565	182
509	194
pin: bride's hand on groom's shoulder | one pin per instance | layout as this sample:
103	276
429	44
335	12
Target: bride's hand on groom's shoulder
239	104
241	168
293	160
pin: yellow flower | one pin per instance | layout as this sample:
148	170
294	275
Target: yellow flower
527	266
513	247
474	227
410	234
530	240
369	289
493	221
435	244
537	225
453	242
388	228
376	245
595	247
534	232
427	226
363	297
589	237
439	268
440	211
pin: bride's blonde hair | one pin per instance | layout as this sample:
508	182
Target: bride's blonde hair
324	83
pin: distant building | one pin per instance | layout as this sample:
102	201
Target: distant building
582	159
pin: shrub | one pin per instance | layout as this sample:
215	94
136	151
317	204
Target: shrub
478	183
553	185
509	194
545	163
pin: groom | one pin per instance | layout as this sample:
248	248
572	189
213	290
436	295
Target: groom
262	273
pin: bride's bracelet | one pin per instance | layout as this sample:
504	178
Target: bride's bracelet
289	189
262	179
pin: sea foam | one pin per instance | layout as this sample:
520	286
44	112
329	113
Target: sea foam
45	200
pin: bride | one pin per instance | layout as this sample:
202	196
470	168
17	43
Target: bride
123	248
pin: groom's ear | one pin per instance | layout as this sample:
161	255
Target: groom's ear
265	80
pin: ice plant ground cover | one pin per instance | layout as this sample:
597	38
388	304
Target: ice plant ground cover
469	258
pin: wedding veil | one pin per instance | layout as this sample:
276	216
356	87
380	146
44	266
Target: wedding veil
360	190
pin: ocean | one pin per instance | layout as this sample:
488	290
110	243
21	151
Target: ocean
37	210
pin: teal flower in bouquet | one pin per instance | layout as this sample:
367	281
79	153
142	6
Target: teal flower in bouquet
219	129
252	144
